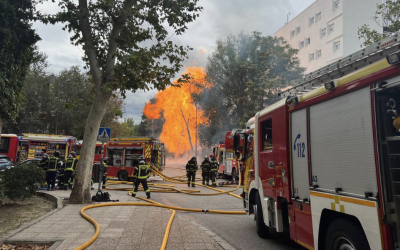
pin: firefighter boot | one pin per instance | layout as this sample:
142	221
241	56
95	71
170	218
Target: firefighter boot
188	184
148	195
193	185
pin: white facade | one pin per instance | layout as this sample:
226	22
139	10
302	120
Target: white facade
327	30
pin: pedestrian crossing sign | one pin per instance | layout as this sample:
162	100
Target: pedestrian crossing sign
104	134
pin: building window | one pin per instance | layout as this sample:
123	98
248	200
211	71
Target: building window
318	16
301	44
336	45
297	30
307	41
331	27
292	33
336	4
267	134
311	56
323	32
318	53
311	21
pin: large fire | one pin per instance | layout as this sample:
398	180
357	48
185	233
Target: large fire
179	111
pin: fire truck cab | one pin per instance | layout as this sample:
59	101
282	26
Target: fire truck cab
326	162
124	155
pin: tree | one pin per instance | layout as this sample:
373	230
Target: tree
387	16
126	47
247	71
17	45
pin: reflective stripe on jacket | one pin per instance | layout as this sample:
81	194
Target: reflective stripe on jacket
214	165
53	163
206	166
142	171
191	166
70	164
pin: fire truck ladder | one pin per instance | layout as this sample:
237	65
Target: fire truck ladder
345	66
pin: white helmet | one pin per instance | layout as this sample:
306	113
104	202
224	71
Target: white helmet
142	162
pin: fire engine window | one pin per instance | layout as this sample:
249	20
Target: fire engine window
266	127
4	145
221	156
97	150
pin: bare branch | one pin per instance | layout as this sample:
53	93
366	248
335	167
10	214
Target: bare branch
187	128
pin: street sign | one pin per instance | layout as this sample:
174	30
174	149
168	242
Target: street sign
104	134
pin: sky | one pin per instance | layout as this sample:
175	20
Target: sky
218	19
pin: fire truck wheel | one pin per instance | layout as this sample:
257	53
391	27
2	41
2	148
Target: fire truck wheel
262	229
234	175
123	176
346	235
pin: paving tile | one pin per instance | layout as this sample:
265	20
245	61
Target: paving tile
195	245
175	246
111	233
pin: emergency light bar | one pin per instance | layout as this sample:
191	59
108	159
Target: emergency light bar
393	58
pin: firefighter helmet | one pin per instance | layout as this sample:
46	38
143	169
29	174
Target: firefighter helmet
142	162
211	155
56	153
193	158
73	153
44	155
206	157
106	158
142	158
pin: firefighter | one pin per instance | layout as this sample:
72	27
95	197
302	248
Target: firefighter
214	170
103	186
140	176
61	173
44	162
191	169
206	168
54	163
70	168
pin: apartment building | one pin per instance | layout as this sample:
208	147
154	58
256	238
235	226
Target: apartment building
327	30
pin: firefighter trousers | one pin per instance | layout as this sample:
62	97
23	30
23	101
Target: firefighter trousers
213	175
191	178
60	179
104	181
51	179
68	178
206	177
145	187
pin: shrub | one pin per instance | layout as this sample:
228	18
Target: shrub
21	181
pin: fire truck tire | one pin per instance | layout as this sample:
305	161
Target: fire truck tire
234	175
345	234
262	229
122	176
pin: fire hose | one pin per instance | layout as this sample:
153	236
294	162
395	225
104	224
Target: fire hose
156	204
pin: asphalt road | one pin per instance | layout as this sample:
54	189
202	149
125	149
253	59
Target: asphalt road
238	230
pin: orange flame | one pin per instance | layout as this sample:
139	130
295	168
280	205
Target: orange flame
174	101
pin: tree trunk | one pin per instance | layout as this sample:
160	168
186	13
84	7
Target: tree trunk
81	192
188	130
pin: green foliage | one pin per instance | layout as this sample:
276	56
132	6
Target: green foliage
128	40
247	71
387	16
21	181
17	40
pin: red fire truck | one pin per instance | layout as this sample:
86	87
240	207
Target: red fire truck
125	153
228	156
97	153
28	146
324	165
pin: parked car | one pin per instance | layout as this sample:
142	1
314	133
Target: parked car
31	162
5	163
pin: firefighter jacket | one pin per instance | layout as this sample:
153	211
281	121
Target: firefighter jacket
44	163
54	163
141	172
191	166
105	169
206	166
214	164
70	163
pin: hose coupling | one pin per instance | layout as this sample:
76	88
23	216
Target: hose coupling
205	210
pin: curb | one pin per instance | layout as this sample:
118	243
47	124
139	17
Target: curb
12	233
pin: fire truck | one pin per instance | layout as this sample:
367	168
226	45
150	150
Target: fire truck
228	157
28	146
323	163
97	153
125	153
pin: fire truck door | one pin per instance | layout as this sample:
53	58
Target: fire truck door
301	221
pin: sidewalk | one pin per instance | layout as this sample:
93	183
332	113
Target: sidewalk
121	227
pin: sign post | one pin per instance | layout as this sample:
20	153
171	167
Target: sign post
103	136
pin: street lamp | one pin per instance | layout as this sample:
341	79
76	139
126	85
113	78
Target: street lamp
58	102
